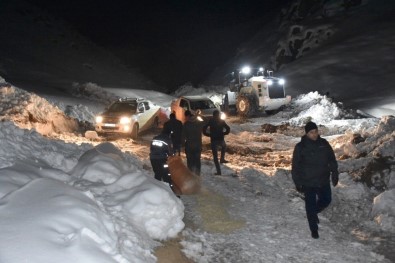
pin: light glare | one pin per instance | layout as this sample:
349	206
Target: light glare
246	70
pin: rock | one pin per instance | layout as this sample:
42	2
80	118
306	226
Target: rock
91	135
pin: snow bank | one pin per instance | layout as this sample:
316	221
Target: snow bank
94	92
50	221
91	213
29	111
317	108
142	200
20	144
384	210
215	93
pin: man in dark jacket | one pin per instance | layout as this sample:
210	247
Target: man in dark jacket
192	134
313	165
218	130
160	149
174	127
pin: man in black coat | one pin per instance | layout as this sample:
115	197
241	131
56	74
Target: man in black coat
313	165
174	127
192	134
160	150
218	130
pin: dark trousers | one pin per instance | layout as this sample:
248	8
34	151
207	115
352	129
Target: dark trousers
214	149
316	200
193	160
177	148
161	171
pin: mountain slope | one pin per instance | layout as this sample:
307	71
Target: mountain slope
42	51
327	47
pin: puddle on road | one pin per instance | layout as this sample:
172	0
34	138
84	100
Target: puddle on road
170	252
215	218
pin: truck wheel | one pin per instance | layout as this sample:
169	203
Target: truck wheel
135	131
245	106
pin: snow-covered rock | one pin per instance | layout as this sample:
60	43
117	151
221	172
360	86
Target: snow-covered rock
384	210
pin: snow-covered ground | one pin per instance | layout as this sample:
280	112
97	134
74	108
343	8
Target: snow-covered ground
66	198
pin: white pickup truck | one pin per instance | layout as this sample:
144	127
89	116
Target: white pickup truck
128	116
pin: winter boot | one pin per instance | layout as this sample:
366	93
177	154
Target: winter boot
314	234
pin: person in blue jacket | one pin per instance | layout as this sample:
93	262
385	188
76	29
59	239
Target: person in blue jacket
313	166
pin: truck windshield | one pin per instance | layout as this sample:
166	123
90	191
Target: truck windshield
124	107
202	105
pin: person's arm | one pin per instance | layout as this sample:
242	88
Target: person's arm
227	128
333	167
205	129
296	168
183	135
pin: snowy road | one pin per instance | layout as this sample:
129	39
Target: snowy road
252	213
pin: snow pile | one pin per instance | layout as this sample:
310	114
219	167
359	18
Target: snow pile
93	92
130	192
69	227
368	158
215	93
29	111
317	108
21	145
106	209
384	210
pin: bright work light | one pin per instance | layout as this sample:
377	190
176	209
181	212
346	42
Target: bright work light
246	70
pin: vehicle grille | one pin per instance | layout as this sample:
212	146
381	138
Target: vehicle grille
107	119
276	91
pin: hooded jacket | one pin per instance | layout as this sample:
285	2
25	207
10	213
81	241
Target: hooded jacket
313	162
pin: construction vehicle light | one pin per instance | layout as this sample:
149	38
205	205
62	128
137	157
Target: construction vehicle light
260	69
270	82
246	70
223	116
281	82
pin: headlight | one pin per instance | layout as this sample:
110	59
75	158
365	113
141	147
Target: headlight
281	82
124	120
99	119
270	82
223	116
199	118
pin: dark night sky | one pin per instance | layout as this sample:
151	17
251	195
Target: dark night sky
170	41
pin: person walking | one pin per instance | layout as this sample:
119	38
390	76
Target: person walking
192	135
313	166
160	150
174	127
218	130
